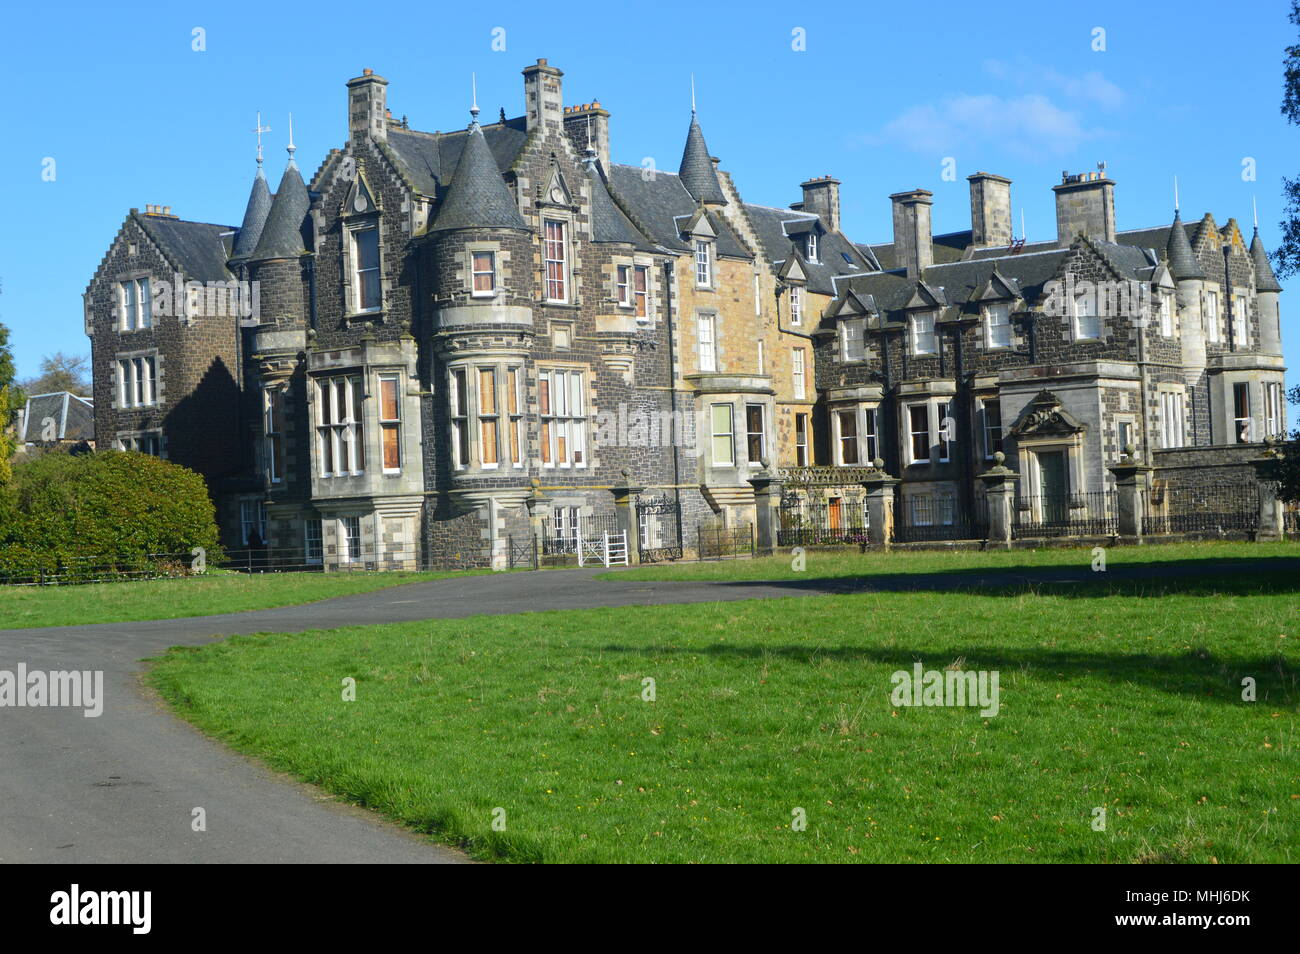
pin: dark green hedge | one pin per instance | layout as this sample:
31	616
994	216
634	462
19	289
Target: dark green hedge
104	514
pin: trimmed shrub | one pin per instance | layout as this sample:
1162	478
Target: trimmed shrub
106	514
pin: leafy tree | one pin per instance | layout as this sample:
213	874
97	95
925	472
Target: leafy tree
10	399
1286	258
61	372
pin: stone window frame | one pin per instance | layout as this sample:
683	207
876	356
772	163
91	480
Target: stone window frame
270	437
471	249
981	405
913	338
845	357
121	437
633	265
709	248
1075	315
565	218
715	434
1120	421
350	273
986	310
713	318
1181	392
796	305
508	423
799	374
1212	323
119	381
313	556
354	446
931	404
382	423
583	420
763	434
1274	409
1167	312
138	278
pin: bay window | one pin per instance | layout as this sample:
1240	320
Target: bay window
488	429
273	431
1241	412
390	422
754	434
847	425
918	421
459	395
724	454
1274	416
801	456
991	425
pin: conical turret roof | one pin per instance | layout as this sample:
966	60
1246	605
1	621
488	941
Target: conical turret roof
1182	263
477	197
697	172
1265	280
282	235
259	207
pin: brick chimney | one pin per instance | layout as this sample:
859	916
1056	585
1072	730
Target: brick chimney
990	210
368	106
589	117
913	247
822	197
543	94
1085	203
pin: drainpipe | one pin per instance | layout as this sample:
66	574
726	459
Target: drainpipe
1227	294
672	396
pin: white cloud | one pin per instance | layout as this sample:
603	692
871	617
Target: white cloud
1090	87
1029	125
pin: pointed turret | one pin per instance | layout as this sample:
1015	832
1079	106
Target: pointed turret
259	207
697	172
282	234
477	197
1265	280
1182	263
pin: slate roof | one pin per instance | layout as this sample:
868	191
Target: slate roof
608	223
477	196
697	171
430	159
1265	280
258	208
776	230
660	206
74	416
948	247
282	235
197	248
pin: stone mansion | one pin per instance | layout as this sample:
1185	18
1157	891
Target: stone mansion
443	342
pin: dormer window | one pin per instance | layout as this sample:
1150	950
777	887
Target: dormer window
483	274
854	343
796	305
810	247
1167	314
997	323
136	305
703	264
365	268
924	340
1087	323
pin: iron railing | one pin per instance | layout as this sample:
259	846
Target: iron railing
808	523
716	542
1091	514
1202	508
940	516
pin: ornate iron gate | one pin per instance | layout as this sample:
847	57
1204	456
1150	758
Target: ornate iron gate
659	528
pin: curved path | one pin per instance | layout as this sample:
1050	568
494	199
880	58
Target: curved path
123	787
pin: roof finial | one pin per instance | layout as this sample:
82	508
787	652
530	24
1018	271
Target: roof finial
259	130
473	108
291	147
1254	208
1175	195
1023	234
692	94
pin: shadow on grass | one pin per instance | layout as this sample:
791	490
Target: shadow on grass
1236	576
1198	672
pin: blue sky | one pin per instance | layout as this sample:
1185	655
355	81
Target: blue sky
882	94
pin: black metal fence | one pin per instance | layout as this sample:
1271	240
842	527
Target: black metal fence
922	517
561	537
1202	508
1091	514
815	523
716	542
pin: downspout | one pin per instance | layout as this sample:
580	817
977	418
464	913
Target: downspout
672	397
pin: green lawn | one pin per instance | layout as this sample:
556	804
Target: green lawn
215	592
850	562
1126	697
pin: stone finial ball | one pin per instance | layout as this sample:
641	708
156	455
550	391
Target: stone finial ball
1130	449
878	463
999	457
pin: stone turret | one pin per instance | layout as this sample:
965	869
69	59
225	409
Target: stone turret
1267	290
698	173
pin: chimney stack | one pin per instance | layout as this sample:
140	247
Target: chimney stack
990	210
1085	203
589	117
368	106
543	94
822	197
913	247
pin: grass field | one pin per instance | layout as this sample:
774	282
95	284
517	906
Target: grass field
215	592
1122	696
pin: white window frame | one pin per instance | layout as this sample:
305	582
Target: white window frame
802	424
359	274
1167	314
1212	329
313	541
550	247
390	423
986	430
458	403
135	304
997	334
911	434
1172	419
563	417
729	434
273	436
796	305
707	334
257	521
475	272
841	438
703	263
810	247
798	373
916	321
761	433
859	328
344	433
137	380
1274	413
1240	326
1241	434
345	551
1079	316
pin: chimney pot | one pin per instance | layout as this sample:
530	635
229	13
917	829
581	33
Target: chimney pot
990	210
913	241
1085	203
822	197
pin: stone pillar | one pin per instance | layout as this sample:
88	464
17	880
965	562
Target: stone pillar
767	515
1271	525
536	502
880	504
1131	493
626	514
1000	492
